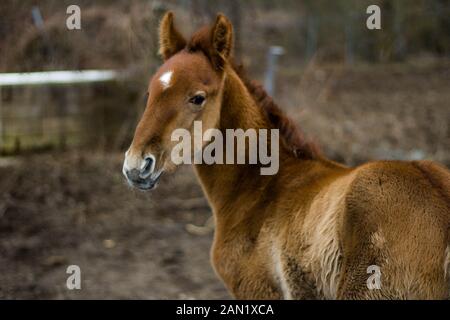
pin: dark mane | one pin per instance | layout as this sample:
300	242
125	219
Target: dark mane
292	137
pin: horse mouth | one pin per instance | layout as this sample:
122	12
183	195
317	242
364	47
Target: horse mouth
149	183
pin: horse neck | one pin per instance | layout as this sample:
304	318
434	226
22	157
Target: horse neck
239	110
223	183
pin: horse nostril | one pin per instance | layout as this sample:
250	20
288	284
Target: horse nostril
147	167
133	174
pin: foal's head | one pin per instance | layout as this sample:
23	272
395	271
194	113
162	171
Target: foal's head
186	88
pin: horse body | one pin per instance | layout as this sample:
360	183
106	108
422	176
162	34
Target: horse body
313	230
317	239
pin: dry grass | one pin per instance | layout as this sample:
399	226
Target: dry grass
373	112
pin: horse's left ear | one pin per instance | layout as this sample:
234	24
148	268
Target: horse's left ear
222	41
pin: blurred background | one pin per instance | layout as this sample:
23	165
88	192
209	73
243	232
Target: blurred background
360	94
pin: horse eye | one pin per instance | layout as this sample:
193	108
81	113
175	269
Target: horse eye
197	100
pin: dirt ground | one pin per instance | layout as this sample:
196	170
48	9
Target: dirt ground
74	208
64	209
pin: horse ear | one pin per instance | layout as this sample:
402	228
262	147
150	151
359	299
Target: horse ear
222	40
170	40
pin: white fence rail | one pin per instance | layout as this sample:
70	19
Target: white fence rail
57	77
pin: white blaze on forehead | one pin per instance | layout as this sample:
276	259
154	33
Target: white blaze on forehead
165	79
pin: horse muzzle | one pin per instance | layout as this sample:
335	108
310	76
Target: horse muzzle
141	173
